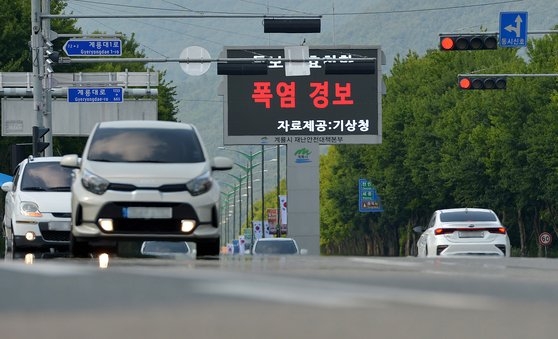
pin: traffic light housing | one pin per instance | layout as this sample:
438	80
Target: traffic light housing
38	140
467	42
481	82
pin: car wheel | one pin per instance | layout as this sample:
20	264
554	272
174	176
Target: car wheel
78	249
8	246
208	248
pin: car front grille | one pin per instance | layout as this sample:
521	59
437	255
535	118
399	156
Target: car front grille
55	235
149	226
170	226
67	215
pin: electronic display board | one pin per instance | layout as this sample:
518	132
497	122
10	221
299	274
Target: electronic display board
317	108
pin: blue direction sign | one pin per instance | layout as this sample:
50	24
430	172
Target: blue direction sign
368	199
95	94
93	47
513	29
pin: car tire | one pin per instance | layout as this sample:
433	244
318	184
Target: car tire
208	248
78	249
8	247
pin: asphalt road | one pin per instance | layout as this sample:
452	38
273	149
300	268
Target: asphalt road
280	297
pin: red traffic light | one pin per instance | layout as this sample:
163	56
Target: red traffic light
466	42
481	82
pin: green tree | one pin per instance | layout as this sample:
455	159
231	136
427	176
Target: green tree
15	30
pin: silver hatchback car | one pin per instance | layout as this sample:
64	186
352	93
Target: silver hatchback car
144	180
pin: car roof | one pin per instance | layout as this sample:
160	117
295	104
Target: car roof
275	239
143	124
464	209
41	159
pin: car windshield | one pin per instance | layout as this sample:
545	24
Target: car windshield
467	216
46	176
275	247
145	145
165	247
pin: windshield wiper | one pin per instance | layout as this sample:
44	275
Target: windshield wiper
33	188
59	188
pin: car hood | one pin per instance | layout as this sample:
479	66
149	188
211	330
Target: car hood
59	202
147	174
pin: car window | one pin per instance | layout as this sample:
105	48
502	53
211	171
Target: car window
145	145
432	221
46	176
467	216
16	178
275	247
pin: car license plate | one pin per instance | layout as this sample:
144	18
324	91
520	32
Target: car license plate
147	212
471	234
58	225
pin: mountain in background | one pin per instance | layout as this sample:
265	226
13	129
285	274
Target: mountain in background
398	26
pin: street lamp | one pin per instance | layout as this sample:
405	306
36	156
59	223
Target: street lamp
225	214
240	178
250	157
249	200
234	188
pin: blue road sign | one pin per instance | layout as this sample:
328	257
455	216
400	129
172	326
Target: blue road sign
93	47
95	94
368	199
513	29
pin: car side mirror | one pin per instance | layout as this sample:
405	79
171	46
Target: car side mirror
71	161
222	163
303	251
7	186
418	229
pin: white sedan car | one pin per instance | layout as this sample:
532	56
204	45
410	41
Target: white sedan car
277	246
463	231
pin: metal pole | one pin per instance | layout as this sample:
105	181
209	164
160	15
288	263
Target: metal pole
234	213
47	116
278	229
263	197
251	204
37	55
239	206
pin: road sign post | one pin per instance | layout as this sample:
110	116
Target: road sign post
513	29
545	239
93	47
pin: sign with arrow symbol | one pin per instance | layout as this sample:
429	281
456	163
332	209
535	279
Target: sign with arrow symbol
513	29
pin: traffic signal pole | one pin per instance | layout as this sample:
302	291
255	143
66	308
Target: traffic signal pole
38	66
47	90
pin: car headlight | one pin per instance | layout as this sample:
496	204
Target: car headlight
200	184
30	209
94	183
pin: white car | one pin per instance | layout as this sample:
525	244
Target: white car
463	231
144	180
37	208
276	246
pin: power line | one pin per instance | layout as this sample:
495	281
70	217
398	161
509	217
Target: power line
209	13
